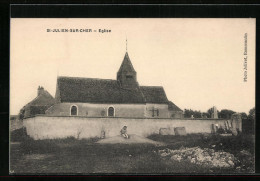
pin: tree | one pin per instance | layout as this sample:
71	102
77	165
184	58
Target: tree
21	114
251	114
210	111
243	115
197	114
188	113
206	115
249	123
225	113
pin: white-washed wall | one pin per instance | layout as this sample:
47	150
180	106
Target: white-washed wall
94	110
121	110
45	127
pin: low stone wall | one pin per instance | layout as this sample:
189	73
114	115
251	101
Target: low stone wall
46	127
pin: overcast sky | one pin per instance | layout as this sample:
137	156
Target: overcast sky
199	62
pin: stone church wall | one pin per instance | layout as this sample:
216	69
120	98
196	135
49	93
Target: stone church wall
101	110
151	110
98	110
47	127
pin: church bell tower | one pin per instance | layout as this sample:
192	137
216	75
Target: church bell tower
126	75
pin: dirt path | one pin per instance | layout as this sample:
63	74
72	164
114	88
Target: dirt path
134	139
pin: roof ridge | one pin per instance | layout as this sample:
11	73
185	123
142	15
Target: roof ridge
38	96
150	86
84	78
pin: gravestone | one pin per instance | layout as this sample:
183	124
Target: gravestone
213	128
180	131
214	113
166	131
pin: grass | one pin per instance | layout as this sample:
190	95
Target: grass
19	135
232	144
66	156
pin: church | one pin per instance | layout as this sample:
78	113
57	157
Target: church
121	98
91	107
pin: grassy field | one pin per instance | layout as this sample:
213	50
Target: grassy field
68	156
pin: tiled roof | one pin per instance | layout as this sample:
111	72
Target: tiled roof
154	94
173	107
44	99
126	64
74	89
38	109
39	105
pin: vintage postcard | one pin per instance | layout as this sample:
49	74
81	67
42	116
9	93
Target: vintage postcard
132	95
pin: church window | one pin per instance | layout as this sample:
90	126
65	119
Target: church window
155	112
129	76
111	111
74	111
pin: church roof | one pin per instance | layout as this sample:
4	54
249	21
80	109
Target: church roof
173	107
44	99
154	94
126	65
74	89
39	104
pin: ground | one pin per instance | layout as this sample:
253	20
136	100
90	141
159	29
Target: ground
66	156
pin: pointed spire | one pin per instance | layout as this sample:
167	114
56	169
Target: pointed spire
126	64
126	74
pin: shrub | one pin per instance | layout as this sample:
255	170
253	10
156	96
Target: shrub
19	135
220	131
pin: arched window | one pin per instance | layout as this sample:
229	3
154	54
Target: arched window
111	111
73	111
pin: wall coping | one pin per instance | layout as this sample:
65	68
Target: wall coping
45	115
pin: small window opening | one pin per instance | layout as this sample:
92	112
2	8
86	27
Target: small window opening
74	111
111	111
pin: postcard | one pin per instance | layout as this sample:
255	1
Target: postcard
132	95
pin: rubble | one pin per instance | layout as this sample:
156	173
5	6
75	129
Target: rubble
207	157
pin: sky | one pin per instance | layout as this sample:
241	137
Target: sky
199	62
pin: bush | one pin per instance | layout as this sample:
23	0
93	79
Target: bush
19	135
220	131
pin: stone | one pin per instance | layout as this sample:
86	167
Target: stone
214	113
180	131
196	155
164	154
244	152
231	163
213	128
166	131
234	132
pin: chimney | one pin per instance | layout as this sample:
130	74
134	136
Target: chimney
40	90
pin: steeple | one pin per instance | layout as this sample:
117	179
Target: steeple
126	74
126	65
